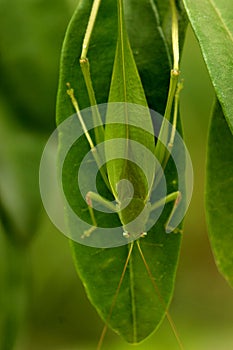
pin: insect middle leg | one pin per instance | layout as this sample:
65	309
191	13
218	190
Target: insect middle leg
172	197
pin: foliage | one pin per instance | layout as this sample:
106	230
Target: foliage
161	250
34	257
213	26
219	185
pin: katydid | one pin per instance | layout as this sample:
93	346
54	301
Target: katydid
123	169
119	172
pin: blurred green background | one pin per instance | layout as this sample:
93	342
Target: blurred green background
42	302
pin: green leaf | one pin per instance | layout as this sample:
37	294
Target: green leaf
219	192
212	22
138	310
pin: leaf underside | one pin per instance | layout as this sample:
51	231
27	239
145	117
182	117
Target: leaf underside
138	310
219	192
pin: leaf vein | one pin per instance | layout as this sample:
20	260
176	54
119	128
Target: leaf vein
221	19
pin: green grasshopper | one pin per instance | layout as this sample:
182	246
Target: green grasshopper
128	206
120	169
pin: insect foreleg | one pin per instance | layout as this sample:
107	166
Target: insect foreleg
95	197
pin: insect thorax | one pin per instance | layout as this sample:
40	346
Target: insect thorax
134	216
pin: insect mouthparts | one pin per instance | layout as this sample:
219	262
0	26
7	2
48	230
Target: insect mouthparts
127	234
